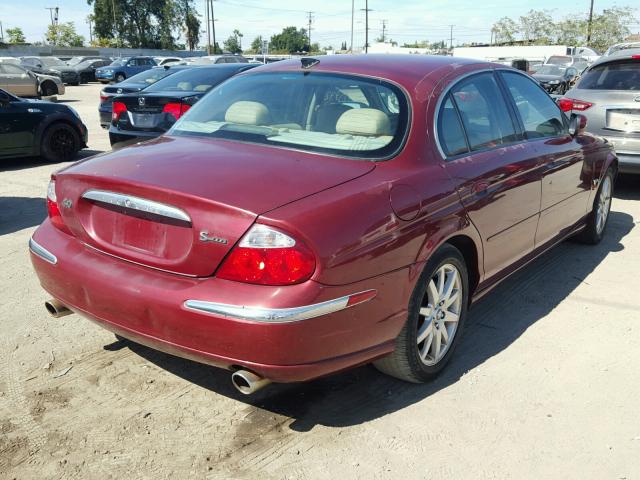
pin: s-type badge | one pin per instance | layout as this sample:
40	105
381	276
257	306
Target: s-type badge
205	237
141	101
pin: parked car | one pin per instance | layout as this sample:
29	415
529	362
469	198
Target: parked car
77	60
564	61
42	65
34	127
317	214
13	60
161	61
124	68
82	72
216	59
151	112
131	85
555	79
19	81
620	47
608	95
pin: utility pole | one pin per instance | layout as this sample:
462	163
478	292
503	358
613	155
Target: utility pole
353	3
451	38
589	24
1	33
89	21
366	25
384	29
309	31
113	7
213	27
208	30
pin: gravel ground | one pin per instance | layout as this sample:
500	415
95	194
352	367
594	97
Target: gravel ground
545	383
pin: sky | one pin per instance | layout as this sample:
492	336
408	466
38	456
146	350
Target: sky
407	20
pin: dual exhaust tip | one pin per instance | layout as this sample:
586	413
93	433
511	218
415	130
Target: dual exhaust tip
244	381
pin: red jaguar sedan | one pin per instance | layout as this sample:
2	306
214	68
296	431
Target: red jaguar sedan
317	214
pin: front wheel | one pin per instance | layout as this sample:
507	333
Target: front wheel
437	312
60	143
599	216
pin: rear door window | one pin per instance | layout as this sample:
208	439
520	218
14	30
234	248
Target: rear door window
485	116
622	75
450	132
540	115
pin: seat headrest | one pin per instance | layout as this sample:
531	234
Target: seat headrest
364	121
247	113
184	86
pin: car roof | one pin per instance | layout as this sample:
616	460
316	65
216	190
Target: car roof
405	70
627	54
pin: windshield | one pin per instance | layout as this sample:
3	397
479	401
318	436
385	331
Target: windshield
75	61
321	112
151	76
559	60
193	80
550	70
51	61
119	62
85	64
622	75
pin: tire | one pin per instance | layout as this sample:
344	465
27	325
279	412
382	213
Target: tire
60	143
599	215
120	77
48	88
417	362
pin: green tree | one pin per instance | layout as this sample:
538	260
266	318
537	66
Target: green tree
64	35
15	35
537	27
504	30
610	26
256	45
233	44
141	23
571	31
192	30
290	40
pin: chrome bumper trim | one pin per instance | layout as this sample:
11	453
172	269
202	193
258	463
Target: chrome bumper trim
42	252
137	203
274	315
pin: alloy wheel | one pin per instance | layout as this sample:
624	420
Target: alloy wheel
604	204
63	143
439	314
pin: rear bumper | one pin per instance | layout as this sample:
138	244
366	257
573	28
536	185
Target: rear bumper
628	153
105	114
121	138
150	307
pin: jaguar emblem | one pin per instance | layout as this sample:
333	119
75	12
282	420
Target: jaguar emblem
119	90
141	101
637	99
205	237
67	203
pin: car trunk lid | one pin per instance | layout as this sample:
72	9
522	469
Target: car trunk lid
180	204
613	113
151	112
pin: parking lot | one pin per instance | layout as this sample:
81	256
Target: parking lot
545	383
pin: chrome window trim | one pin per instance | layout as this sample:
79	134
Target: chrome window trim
272	315
42	252
137	203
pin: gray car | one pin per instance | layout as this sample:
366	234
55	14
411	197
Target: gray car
608	94
24	83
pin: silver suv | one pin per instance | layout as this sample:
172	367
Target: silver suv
608	94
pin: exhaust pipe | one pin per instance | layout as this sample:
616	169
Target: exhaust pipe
56	309
248	382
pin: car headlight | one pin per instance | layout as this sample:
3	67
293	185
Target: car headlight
554	82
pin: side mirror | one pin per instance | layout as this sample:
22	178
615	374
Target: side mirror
577	124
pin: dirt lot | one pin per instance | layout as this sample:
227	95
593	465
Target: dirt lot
545	383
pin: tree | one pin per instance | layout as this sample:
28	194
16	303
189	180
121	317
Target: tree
256	45
141	23
537	26
610	26
192	27
15	35
233	44
290	40
571	31
504	30
64	35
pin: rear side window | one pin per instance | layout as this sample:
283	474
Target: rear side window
623	75
484	112
540	115
450	131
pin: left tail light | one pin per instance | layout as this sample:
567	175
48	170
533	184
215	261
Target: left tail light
53	209
569	104
176	109
117	109
103	98
267	256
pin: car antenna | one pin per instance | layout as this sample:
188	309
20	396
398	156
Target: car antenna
308	62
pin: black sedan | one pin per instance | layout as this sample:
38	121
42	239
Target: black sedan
82	72
34	127
131	85
556	79
146	115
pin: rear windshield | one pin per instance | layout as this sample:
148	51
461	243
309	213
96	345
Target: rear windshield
151	76
550	70
192	80
559	60
320	112
623	75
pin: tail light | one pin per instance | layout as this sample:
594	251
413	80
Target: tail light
117	109
569	104
176	109
103	98
267	256
52	208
